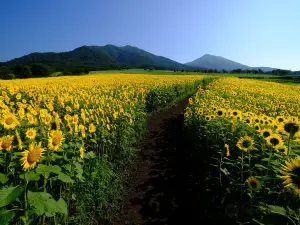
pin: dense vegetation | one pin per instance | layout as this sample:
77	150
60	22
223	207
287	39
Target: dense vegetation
66	143
246	137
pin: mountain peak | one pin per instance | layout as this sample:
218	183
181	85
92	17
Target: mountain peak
220	63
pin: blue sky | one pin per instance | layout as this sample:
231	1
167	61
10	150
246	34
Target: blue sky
253	32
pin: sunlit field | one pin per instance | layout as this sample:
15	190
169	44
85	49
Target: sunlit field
65	141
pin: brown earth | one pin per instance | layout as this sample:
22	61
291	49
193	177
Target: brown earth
162	189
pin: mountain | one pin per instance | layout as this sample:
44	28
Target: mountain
220	63
99	57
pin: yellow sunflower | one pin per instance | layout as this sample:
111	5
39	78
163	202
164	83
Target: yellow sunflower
81	152
92	128
274	140
266	132
55	140
19	140
32	156
291	174
6	142
253	183
221	112
282	149
31	133
290	127
227	150
75	119
245	143
9	121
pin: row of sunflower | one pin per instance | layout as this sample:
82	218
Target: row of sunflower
250	131
53	130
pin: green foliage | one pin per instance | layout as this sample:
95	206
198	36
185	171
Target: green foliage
22	71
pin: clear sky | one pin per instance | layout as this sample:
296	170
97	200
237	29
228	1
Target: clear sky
252	32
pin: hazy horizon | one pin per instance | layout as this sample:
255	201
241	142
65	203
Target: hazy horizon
252	33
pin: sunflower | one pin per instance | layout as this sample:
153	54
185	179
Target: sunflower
47	119
245	143
30	118
81	152
6	142
31	133
32	156
55	140
290	127
221	112
274	140
92	128
9	121
266	132
19	140
282	149
291	174
253	183
82	129
75	119
280	119
227	150
257	127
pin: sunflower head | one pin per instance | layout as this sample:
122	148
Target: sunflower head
282	150
55	140
81	152
31	133
274	140
6	142
227	150
253	184
92	128
266	133
291	174
290	127
245	143
32	156
10	121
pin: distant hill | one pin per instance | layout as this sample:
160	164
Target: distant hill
99	57
220	63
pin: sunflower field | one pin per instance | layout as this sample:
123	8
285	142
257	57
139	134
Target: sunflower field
65	142
246	135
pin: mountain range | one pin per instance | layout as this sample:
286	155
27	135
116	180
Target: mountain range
113	57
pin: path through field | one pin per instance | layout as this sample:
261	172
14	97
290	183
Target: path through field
162	190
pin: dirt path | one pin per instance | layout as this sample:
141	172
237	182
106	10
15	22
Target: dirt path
161	189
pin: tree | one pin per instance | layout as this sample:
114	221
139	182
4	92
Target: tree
22	71
4	71
40	70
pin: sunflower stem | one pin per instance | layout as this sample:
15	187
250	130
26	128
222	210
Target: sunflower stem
25	201
289	145
242	174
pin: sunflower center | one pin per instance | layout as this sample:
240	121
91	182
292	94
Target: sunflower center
30	133
9	121
253	184
266	134
296	176
220	113
234	113
5	144
274	141
56	140
291	128
280	120
246	144
33	156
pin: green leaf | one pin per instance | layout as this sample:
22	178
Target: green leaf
225	171
93	141
46	170
62	207
31	176
277	210
43	203
259	166
65	178
3	178
6	217
89	155
79	171
2	162
7	195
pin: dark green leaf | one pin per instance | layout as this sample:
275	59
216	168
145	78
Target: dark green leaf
7	195
42	203
62	207
31	176
6	217
3	178
65	178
